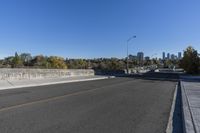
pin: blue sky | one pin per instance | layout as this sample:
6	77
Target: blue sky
98	28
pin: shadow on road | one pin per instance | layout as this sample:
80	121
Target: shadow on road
177	116
157	76
162	76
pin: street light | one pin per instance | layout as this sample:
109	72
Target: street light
127	52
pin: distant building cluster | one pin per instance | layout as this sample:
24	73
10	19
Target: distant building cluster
140	57
171	56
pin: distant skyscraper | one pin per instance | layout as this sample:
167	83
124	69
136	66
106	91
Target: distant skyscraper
173	57
179	55
140	56
163	55
132	57
168	56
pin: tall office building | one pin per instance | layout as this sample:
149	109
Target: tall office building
179	55
173	57
140	56
168	56
163	55
132	57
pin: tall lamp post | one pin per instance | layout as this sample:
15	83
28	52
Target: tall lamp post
127	53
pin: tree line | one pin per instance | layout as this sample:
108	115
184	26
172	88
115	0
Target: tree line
190	62
26	60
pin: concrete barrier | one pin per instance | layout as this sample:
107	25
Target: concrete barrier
187	117
20	74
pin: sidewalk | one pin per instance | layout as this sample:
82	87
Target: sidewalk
5	84
191	106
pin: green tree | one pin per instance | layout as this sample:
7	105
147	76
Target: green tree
168	63
7	62
26	58
17	62
190	61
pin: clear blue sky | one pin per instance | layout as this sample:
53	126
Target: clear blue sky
98	28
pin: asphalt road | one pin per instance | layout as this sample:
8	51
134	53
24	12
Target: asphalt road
121	105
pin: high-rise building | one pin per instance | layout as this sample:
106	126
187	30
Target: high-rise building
132	57
140	56
173	57
179	55
168	56
163	55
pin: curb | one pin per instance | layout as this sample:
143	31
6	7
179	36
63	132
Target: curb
170	120
188	123
52	83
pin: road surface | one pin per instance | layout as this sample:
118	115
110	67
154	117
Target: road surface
120	105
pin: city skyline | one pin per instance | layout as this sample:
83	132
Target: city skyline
168	55
95	29
139	53
164	55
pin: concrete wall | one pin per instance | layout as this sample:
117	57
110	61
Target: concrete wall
18	74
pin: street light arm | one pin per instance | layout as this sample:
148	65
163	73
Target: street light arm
153	55
131	38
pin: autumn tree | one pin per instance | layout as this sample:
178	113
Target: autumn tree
57	62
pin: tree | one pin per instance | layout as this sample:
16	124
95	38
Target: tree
26	58
57	62
168	63
190	61
39	61
113	64
8	61
17	62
